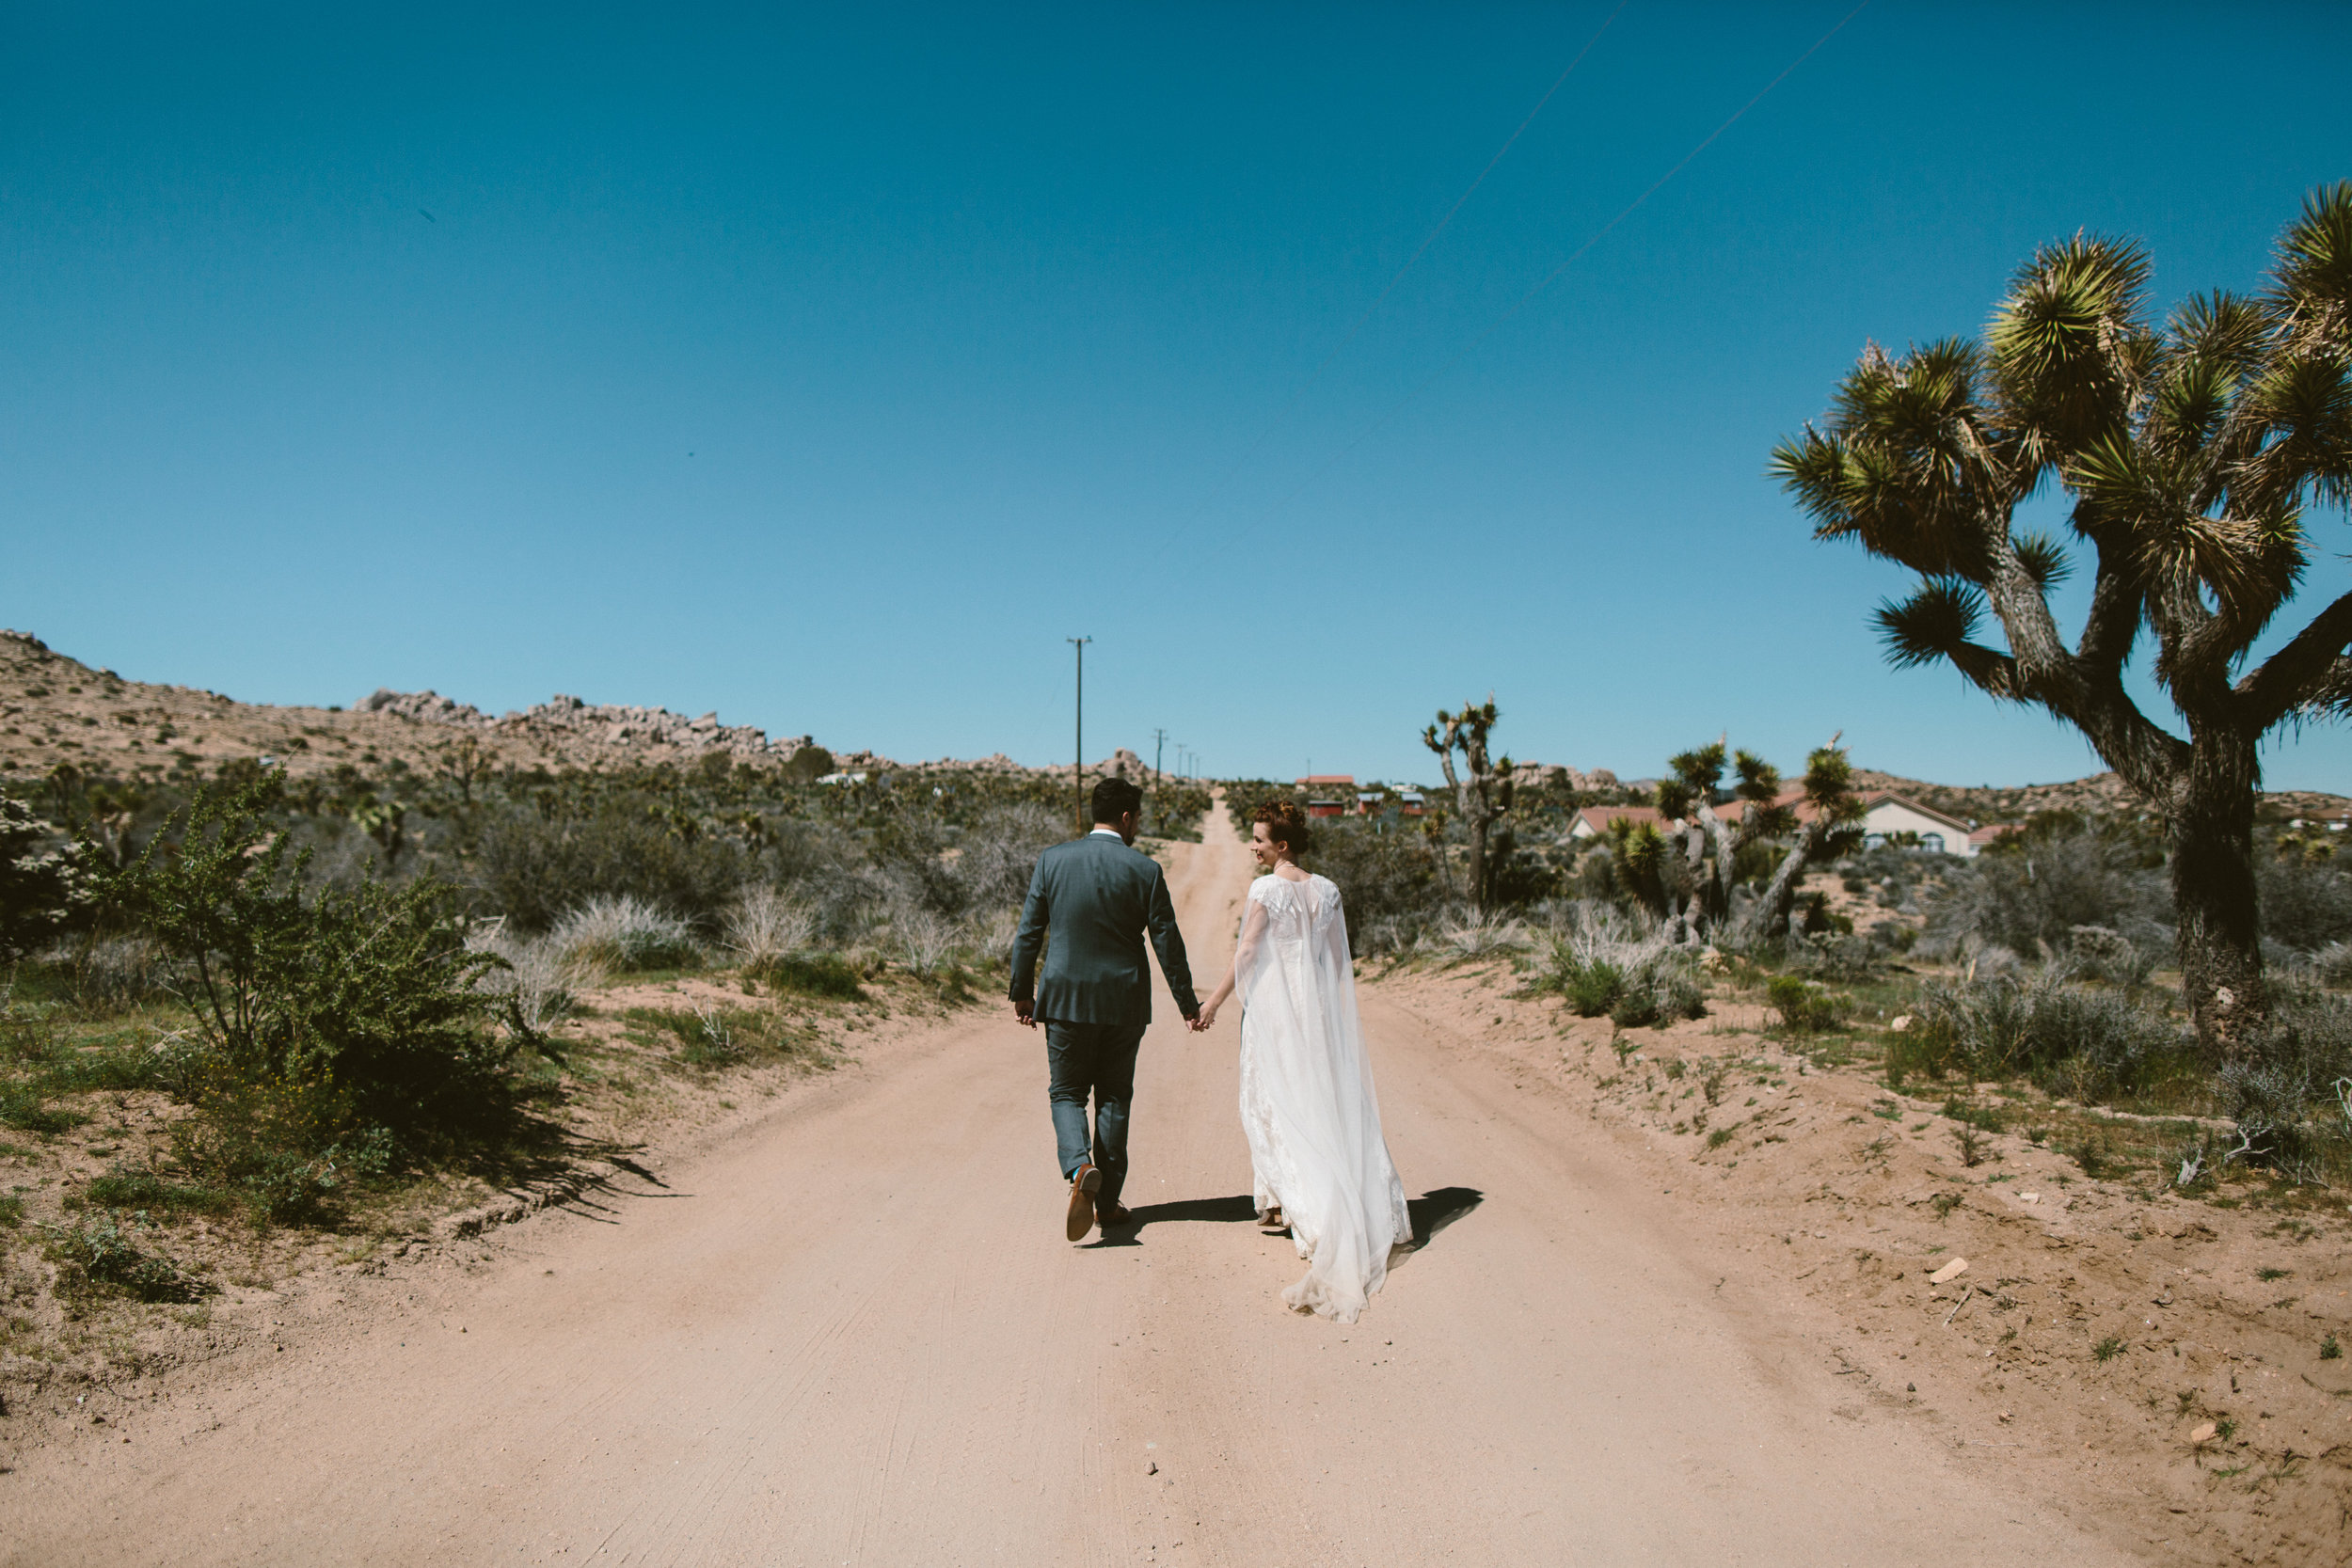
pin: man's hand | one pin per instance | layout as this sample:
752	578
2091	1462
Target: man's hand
1025	1012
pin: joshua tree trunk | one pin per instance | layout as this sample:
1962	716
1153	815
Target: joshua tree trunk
2210	833
1770	912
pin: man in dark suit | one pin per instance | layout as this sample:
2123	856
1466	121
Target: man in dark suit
1097	895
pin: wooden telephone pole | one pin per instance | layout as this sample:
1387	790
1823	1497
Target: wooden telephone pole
1078	764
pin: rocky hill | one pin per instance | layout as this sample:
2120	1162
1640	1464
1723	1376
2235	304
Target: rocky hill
55	709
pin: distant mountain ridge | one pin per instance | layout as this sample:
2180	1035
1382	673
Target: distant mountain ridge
57	709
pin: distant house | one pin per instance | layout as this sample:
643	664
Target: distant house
1326	808
1328	780
1992	831
1368	801
1597	821
1411	803
1886	816
1892	816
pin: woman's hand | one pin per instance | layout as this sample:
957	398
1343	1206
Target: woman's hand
1208	1018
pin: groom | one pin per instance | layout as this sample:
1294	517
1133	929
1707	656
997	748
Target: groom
1097	894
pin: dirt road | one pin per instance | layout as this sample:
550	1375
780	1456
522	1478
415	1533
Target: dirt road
854	1334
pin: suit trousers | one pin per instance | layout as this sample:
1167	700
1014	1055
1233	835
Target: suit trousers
1097	1059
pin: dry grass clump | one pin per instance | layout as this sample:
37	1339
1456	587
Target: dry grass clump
1604	959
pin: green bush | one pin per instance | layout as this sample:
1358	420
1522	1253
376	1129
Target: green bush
1805	1008
360	1003
28	1111
1593	987
100	1253
810	973
129	1187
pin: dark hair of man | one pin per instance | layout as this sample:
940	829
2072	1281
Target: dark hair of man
1113	798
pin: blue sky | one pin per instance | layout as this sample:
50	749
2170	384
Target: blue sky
829	366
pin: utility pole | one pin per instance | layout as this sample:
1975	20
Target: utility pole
1159	744
1078	767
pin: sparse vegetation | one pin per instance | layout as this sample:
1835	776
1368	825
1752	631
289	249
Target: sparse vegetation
1805	1008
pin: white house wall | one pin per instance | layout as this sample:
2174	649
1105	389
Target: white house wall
1889	817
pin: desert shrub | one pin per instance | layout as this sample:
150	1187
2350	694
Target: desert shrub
1389	879
2306	904
535	870
2290	1091
1605	959
1839	958
536	979
2030	891
1467	934
765	923
368	994
2332	965
1805	1008
112	973
1173	808
102	1251
810	973
38	883
2099	953
1670	994
128	1186
619	932
998	852
2083	1043
1591	986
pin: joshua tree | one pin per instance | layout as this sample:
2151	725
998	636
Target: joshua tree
1482	792
2190	454
1688	797
1830	829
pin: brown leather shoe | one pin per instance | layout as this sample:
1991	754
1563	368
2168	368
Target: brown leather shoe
1083	1187
1108	1215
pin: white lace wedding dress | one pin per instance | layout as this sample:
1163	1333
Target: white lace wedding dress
1307	1100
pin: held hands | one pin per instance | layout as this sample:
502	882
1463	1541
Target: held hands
1025	1012
1204	1020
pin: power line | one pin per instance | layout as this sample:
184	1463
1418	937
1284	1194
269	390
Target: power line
1428	240
1553	276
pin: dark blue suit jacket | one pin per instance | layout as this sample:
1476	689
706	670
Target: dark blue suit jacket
1099	897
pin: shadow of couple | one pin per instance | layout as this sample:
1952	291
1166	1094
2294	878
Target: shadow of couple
1430	1213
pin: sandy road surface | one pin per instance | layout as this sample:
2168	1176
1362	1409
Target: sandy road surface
854	1334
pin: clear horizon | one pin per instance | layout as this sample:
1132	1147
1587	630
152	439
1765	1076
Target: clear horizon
829	370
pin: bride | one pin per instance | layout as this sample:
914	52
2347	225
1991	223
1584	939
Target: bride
1320	1163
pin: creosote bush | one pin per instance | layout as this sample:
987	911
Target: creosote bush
322	1015
1805	1008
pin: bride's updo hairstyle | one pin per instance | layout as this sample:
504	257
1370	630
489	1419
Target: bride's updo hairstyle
1286	825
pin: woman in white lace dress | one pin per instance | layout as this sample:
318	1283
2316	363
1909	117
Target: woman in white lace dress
1319	1161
